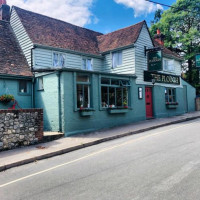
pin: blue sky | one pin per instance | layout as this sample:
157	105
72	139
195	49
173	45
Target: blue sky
114	16
99	15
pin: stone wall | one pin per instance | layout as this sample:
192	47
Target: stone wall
20	127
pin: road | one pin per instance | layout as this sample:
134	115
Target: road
161	164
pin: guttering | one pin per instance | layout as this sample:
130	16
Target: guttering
118	49
67	51
83	71
10	76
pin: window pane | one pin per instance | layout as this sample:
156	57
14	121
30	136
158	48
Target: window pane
114	60
119	96
62	60
104	97
40	83
105	81
79	96
23	87
112	97
89	64
84	64
82	78
125	96
86	103
55	60
114	82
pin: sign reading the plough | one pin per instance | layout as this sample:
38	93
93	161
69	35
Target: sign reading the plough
161	78
155	60
198	60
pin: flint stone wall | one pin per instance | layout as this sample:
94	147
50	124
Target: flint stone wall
20	127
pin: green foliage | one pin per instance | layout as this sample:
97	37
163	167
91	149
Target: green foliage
5	98
182	31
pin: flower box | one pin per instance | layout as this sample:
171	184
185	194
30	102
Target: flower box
172	105
86	112
6	98
117	110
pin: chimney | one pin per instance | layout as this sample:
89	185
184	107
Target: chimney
4	11
159	37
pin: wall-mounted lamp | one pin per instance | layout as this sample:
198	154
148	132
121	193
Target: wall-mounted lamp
153	81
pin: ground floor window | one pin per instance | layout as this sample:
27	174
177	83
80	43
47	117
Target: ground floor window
170	95
23	87
83	91
114	93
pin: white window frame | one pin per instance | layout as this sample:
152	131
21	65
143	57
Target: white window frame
167	68
87	66
118	62
40	83
60	55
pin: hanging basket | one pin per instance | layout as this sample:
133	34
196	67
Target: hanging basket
6	98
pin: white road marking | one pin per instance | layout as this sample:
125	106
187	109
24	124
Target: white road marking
93	154
177	177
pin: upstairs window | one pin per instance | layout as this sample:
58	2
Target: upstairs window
116	59
58	60
170	95
87	64
169	65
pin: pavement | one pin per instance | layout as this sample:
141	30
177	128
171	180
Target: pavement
33	153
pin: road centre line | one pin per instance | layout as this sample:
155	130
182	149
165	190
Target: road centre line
93	154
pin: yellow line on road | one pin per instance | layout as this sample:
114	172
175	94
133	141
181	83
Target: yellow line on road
92	154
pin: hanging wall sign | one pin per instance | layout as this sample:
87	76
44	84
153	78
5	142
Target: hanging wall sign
161	78
155	60
198	60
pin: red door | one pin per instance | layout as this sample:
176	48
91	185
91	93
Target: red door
149	104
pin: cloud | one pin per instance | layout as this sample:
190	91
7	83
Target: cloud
140	7
73	11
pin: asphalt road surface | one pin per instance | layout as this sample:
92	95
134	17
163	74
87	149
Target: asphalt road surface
162	164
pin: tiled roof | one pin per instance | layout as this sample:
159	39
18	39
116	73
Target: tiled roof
12	60
55	33
120	38
166	51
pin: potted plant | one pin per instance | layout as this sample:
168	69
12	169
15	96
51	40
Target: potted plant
6	98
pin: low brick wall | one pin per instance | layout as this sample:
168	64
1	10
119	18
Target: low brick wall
20	127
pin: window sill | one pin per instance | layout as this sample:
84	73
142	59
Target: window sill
171	106
117	110
86	112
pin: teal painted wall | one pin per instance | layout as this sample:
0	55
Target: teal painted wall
49	101
9	86
159	107
74	123
191	95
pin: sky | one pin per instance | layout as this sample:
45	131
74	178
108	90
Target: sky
99	15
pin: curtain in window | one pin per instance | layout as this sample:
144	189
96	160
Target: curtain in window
62	60
89	64
114	60
55	60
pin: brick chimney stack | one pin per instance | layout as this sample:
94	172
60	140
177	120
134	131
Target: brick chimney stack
4	11
159	38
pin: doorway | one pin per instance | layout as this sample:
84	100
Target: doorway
149	102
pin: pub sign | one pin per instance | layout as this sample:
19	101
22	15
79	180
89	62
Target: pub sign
155	60
161	78
198	60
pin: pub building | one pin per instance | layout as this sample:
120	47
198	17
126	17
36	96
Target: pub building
86	81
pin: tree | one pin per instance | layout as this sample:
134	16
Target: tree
181	26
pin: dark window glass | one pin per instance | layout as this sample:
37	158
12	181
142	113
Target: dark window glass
23	87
